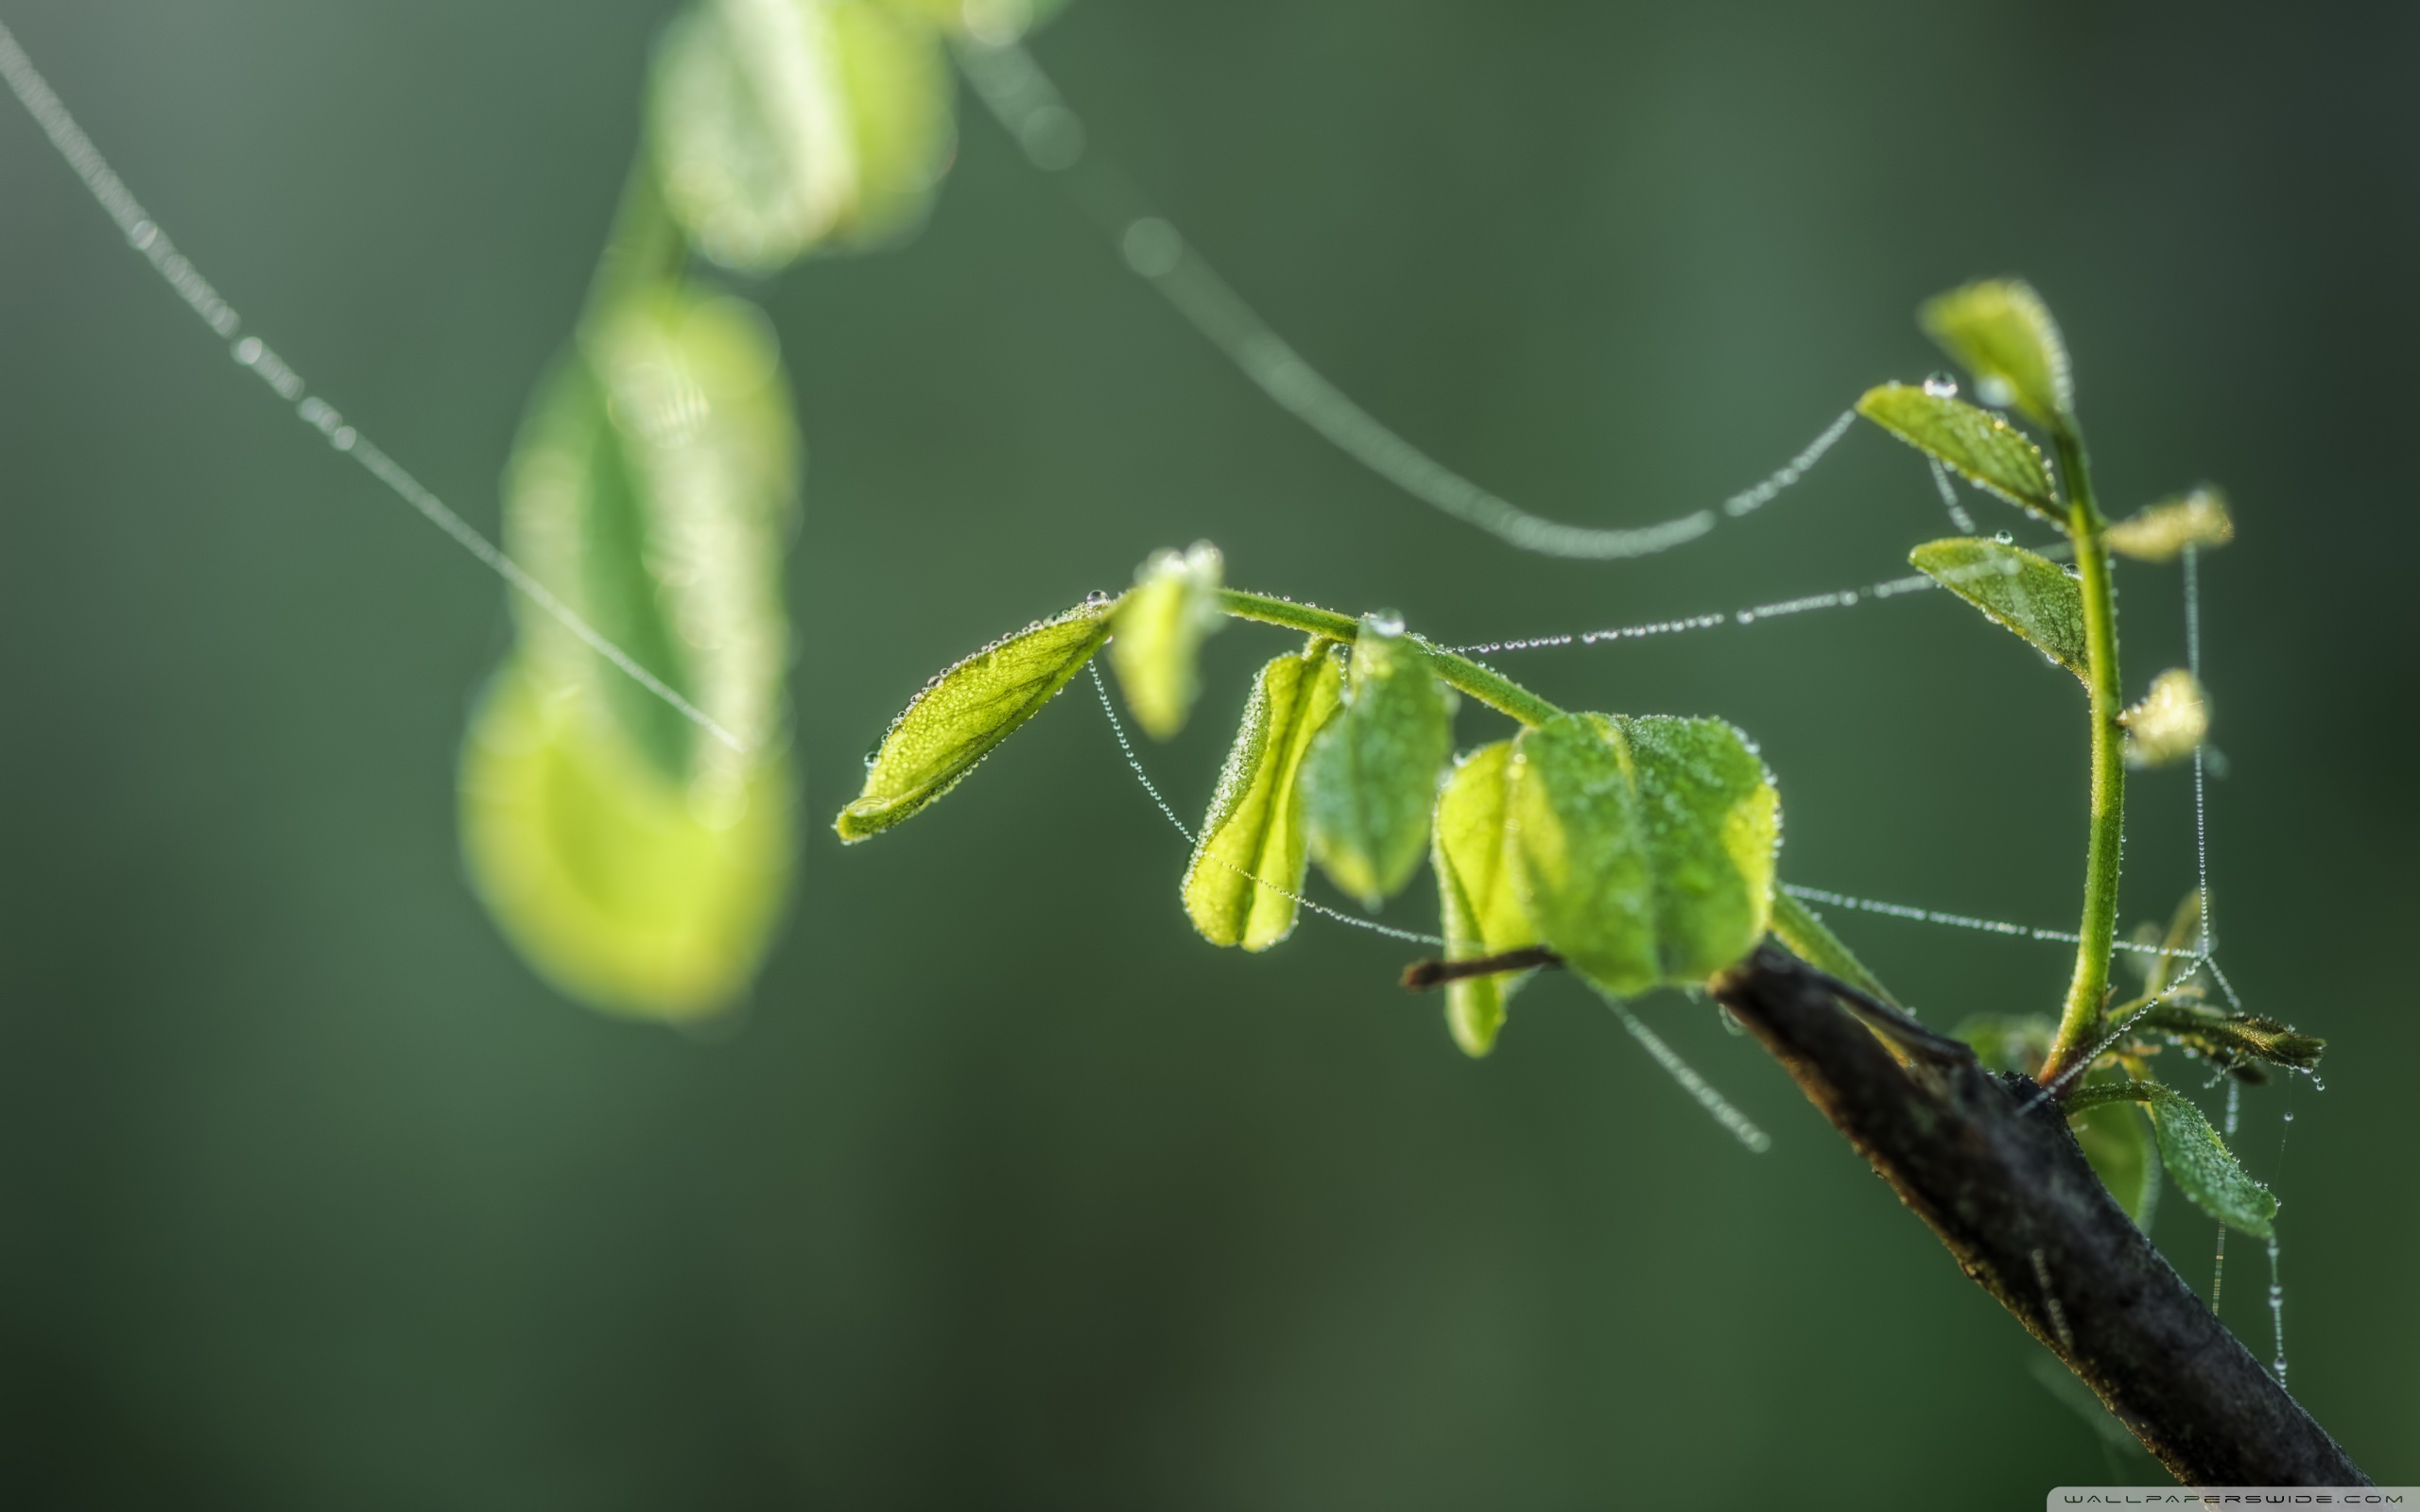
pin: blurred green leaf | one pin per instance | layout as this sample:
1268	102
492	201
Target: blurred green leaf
2159	532
987	21
962	713
2028	594
1159	630
1643	847
629	890
1975	443
654	488
1371	781
778	126
2018	1043
1253	845
2201	1163
2170	724
2001	331
1480	905
1797	927
2118	1139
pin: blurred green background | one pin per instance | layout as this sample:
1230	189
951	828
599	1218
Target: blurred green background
1007	1190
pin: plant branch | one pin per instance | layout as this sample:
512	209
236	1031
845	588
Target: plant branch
2080	1019
1487	685
1990	1164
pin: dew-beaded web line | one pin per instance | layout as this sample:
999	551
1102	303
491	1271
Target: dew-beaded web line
1030	109
173	267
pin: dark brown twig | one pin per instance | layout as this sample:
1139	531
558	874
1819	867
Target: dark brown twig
1422	975
1993	1169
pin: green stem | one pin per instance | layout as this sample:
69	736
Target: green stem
1488	686
2080	1022
644	247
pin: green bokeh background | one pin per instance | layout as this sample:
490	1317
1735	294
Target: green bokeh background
1009	1192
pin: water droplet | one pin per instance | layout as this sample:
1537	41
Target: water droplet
2004	538
1384	622
872	756
1096	598
1941	386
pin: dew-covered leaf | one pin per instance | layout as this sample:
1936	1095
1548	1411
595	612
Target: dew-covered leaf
2000	331
778	126
1642	849
1713	827
1371	778
1159	631
2118	1139
1980	446
2170	724
2197	1158
1249	859
1807	937
1481	908
2159	532
2028	593
631	891
653	488
961	714
2232	1040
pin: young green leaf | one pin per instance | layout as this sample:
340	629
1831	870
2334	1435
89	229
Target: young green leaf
2000	331
2118	1139
1977	445
1795	925
2028	594
2205	1169
1713	827
2170	724
2159	532
1643	849
961	714
1482	910
2233	1040
1251	854
1578	850
653	486
629	890
777	126
1160	627
1371	780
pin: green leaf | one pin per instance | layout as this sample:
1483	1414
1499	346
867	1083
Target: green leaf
1798	928
1713	823
779	126
2018	1043
1643	849
961	714
2204	1168
1371	780
1160	627
2028	594
2118	1139
2159	532
2170	724
653	488
2000	331
2231	1039
628	890
986	21
1977	445
1252	851
1481	908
